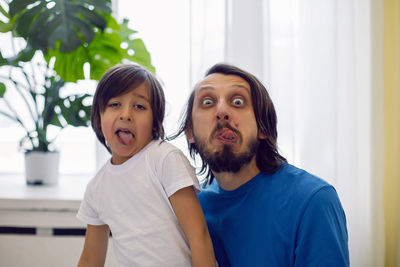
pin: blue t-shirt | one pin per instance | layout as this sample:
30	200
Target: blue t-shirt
288	218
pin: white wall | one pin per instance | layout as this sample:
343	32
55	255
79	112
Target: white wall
41	251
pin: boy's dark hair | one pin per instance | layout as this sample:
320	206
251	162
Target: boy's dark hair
267	156
119	80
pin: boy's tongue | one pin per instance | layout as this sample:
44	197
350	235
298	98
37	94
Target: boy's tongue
126	138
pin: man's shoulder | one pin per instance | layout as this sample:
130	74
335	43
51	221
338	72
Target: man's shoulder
299	178
290	184
208	191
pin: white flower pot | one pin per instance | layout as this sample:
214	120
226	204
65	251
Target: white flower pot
41	168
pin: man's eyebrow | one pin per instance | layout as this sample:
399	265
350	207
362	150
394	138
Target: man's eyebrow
205	87
242	86
209	87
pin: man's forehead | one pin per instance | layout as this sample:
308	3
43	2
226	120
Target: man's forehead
215	80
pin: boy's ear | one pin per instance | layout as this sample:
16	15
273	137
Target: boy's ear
261	135
189	136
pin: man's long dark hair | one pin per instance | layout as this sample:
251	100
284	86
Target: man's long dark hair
268	158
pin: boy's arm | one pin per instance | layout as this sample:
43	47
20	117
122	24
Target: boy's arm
190	216
95	248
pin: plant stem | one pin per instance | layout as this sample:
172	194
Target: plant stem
16	119
13	44
32	92
24	98
33	74
15	82
9	116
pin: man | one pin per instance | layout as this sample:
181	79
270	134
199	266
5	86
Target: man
260	211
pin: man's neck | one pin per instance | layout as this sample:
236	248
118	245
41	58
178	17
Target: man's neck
230	181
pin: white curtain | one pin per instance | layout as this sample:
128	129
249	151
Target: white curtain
322	63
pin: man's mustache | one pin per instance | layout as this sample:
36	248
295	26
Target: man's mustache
226	125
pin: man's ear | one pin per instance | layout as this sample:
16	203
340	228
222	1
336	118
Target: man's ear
261	135
189	136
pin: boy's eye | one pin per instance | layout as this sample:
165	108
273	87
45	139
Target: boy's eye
207	102
139	107
238	101
113	104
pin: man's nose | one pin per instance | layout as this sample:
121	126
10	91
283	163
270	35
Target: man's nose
125	115
222	110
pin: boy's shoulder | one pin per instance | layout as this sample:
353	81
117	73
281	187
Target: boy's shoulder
159	149
97	179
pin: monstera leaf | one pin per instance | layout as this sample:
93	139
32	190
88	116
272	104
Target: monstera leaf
74	111
102	53
140	53
24	55
3	61
2	89
71	110
46	22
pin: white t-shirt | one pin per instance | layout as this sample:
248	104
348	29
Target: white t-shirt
132	199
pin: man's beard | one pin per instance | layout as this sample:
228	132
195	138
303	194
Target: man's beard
226	160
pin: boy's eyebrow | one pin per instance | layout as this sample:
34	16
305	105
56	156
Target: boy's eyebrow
142	97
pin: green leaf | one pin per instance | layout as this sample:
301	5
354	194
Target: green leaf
3	61
93	17
124	31
141	55
102	53
56	121
103	6
5	27
2	89
45	28
24	55
68	65
17	6
85	30
25	18
71	109
64	22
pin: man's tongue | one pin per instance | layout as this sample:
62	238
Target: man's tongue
227	135
125	137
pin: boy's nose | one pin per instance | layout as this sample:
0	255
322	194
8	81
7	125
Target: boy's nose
125	115
125	118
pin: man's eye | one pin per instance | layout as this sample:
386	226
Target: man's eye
238	101
207	102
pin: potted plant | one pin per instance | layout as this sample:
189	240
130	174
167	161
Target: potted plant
59	38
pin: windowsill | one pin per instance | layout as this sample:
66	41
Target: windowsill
15	194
